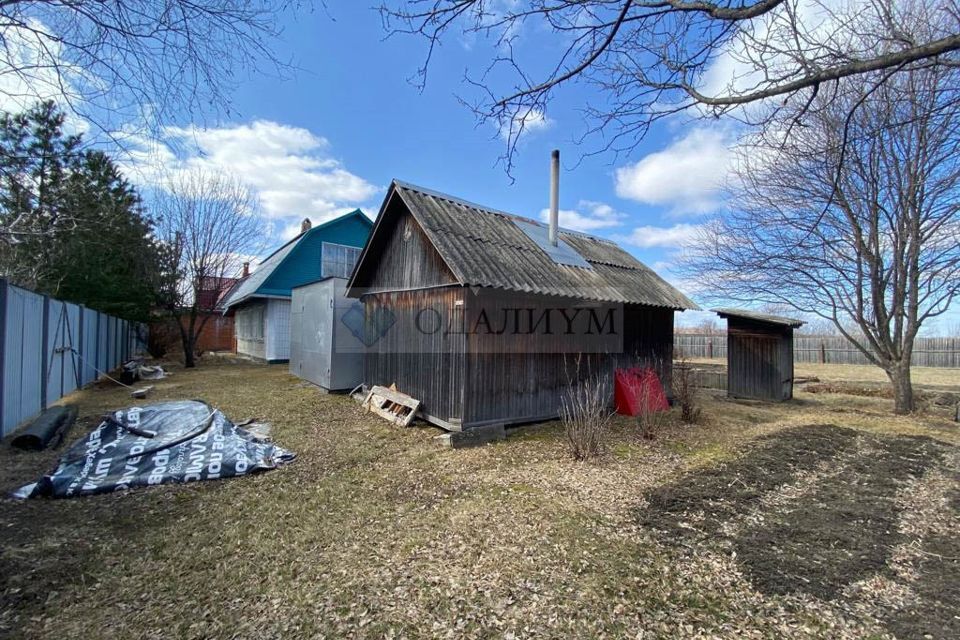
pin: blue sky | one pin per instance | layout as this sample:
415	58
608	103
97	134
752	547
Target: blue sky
330	137
354	92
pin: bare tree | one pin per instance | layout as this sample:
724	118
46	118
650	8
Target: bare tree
654	58
133	62
208	223
853	217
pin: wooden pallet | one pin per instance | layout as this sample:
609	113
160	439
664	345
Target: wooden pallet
392	405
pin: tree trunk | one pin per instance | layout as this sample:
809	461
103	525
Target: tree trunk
902	389
188	352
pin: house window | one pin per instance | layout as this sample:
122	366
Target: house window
249	323
337	260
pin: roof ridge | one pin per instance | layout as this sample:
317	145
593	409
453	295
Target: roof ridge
609	263
491	210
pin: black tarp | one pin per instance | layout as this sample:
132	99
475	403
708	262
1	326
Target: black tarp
167	442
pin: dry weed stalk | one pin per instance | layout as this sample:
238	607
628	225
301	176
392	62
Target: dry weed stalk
686	392
650	422
585	413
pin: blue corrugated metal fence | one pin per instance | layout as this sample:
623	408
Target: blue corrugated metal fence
49	348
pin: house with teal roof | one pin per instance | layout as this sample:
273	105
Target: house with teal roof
260	303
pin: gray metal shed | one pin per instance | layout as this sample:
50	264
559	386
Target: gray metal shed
324	349
759	354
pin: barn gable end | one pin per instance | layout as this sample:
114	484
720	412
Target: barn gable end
406	259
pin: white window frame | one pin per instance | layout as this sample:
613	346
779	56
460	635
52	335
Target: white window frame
337	260
250	323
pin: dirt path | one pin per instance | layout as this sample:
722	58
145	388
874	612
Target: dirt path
825	512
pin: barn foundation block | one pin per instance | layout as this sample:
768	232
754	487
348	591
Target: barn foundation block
473	437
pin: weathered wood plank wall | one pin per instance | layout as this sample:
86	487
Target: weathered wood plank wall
518	377
759	361
407	259
428	365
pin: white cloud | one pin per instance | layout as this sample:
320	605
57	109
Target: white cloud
753	55
32	69
525	123
675	237
288	167
589	216
686	176
291	231
662	265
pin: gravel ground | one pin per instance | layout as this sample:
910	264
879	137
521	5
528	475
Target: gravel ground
825	517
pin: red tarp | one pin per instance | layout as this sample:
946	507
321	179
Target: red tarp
638	388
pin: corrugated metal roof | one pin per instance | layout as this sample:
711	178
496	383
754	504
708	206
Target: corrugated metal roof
249	286
483	247
760	317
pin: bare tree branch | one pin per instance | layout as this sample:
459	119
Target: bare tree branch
653	58
130	66
209	222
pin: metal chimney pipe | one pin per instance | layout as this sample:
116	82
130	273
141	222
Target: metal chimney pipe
554	195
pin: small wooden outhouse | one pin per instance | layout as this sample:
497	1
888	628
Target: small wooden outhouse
759	355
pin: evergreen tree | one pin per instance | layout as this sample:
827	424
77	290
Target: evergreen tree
109	260
35	157
80	232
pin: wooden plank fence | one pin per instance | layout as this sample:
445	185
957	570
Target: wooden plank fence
928	352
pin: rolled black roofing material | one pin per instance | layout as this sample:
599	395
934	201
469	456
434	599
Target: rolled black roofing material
47	429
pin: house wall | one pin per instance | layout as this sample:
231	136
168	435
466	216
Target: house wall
250	329
277	332
431	350
515	377
407	259
303	264
216	334
759	360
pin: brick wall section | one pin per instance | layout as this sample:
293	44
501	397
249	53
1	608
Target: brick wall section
217	334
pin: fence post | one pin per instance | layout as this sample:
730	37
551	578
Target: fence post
45	347
710	348
3	347
78	357
97	346
823	352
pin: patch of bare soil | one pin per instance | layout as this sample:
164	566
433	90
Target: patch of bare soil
819	511
841	531
879	390
711	496
933	575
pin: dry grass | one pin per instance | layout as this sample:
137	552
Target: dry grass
377	531
931	377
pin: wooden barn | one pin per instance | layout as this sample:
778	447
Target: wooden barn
480	316
759	355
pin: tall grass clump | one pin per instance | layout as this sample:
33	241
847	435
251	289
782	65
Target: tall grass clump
585	412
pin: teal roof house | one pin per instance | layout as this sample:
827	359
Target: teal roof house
261	301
